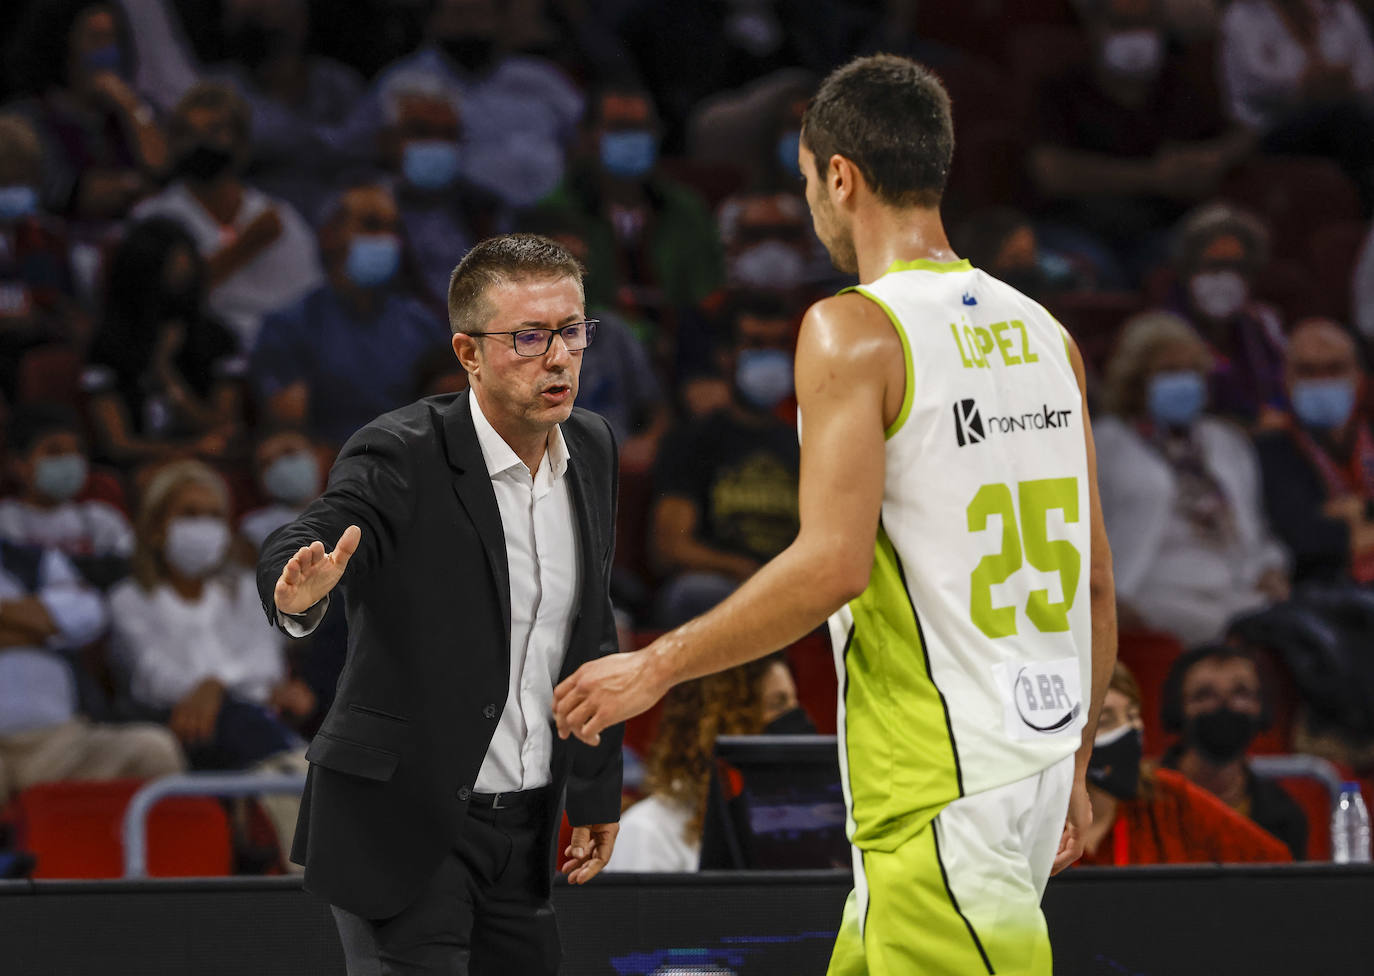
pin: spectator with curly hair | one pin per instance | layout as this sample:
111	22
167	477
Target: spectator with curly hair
663	831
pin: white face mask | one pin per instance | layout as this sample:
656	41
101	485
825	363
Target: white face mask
1136	53
1218	294
768	264
196	546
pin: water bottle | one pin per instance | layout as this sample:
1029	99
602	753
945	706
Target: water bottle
1350	827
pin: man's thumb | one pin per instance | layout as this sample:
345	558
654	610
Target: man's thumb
347	546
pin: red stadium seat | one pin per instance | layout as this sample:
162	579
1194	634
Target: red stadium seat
813	668
105	486
50	374
73	829
1149	655
1334	248
1296	195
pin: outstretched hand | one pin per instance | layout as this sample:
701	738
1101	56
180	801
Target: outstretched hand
605	692
311	573
588	850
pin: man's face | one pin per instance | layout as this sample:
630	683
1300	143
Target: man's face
57	444
1212	684
426	118
831	227
95	31
1322	353
213	128
278	446
367	210
525	394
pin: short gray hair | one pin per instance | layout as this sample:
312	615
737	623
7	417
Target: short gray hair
1142	336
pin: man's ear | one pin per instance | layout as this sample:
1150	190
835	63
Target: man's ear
468	350
842	178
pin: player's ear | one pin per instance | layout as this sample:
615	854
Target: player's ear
841	178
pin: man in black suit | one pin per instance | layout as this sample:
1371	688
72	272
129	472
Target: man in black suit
474	545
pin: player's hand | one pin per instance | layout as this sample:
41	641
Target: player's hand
588	851
1076	826
604	692
311	573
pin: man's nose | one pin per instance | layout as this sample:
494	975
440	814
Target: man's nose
558	355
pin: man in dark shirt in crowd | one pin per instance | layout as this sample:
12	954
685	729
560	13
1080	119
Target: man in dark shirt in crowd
726	485
1129	140
347	351
1318	468
1215	699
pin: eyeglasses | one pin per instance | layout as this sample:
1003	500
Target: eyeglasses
537	342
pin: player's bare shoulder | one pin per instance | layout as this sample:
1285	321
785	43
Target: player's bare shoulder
848	328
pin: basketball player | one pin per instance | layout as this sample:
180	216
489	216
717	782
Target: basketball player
951	533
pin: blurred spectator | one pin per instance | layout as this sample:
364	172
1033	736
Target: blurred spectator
1219	252
1319	466
618	379
769	244
259	252
443	214
519	113
163	378
36	287
438	372
1362	293
46	614
662	832
346	353
49	465
1002	242
165	63
1181	493
292	95
287	472
647	234
756	129
726	485
101	142
1302	72
1214	698
1125	144
1155	816
187	635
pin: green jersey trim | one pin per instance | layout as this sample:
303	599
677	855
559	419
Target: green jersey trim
925	264
909	394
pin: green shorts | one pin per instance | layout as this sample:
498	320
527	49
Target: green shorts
961	897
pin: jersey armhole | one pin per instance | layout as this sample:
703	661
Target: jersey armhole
908	394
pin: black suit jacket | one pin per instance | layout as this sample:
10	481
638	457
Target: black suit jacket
428	601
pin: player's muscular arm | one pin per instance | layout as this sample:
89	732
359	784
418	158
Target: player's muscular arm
1101	589
845	363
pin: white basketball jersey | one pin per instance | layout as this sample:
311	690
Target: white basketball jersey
966	664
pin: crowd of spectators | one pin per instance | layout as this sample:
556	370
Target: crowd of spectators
226	231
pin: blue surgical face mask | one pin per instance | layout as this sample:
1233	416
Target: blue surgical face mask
431	164
1176	398
107	57
630	154
1323	404
18	202
789	144
59	477
292	478
373	259
764	377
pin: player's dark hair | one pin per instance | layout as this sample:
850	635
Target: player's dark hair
496	260
891	118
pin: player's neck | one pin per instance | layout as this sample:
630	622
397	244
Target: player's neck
883	235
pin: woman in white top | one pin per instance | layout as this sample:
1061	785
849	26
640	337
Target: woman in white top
189	633
663	831
1181	493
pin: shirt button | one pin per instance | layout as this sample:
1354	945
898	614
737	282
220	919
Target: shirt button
489	711
464	792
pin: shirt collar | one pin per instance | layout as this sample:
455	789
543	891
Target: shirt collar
498	455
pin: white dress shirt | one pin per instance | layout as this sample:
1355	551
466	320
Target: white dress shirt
542	555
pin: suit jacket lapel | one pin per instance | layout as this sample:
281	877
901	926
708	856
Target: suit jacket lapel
590	535
472	485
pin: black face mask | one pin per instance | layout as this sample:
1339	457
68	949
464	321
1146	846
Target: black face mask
1221	735
473	52
1115	763
205	163
793	722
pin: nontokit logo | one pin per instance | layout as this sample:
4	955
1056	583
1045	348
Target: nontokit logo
971	427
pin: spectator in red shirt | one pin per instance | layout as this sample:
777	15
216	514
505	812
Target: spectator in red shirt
1143	815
